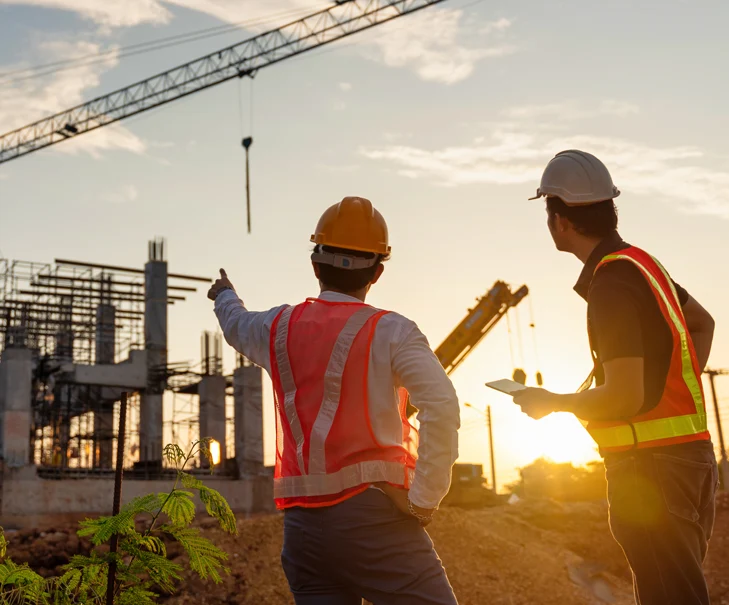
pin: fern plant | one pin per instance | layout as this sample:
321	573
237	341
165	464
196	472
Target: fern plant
143	569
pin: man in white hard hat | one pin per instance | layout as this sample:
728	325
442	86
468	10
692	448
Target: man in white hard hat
355	488
650	342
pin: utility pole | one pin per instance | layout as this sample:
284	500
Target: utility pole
491	448
723	465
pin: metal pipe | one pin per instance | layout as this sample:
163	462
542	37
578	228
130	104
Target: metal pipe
113	545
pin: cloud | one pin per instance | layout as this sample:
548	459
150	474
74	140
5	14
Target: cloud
499	26
127	13
107	12
431	44
345	86
571	110
25	101
126	194
684	175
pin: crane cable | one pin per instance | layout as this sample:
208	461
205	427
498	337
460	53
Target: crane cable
533	326
247	142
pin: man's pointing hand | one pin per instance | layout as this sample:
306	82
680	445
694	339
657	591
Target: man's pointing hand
220	284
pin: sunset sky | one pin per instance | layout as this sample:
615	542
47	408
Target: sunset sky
444	119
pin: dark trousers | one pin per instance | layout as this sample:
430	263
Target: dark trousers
364	547
662	515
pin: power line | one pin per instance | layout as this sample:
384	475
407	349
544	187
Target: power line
55	67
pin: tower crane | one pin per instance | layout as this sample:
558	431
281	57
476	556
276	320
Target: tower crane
342	19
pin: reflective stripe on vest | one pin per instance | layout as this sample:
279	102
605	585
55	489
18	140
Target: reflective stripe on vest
659	428
333	389
314	479
288	384
369	471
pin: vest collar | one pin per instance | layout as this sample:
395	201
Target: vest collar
338	297
612	243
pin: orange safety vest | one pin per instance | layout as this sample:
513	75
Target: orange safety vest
680	415
326	447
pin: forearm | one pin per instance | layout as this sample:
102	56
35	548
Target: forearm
437	453
248	332
592	405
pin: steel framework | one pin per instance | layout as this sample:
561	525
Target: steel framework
344	18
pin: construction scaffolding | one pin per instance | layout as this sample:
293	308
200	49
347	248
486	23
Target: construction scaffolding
85	332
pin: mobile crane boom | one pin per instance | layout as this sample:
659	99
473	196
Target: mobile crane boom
479	322
342	19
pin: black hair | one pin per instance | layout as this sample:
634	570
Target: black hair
591	220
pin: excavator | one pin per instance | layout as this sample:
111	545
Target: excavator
468	484
479	321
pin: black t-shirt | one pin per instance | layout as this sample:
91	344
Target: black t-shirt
626	321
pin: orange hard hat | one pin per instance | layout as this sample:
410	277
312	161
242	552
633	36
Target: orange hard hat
353	224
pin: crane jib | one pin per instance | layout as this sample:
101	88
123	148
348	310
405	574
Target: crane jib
342	19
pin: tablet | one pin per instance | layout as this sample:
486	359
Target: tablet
506	386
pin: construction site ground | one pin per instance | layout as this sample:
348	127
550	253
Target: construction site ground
533	552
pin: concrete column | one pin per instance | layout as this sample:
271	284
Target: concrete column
248	396
212	412
104	412
16	381
155	336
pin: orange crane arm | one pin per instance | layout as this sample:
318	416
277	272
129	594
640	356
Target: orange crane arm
479	322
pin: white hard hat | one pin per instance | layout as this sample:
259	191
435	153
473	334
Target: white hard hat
577	178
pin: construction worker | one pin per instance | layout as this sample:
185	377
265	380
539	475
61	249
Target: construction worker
355	488
650	341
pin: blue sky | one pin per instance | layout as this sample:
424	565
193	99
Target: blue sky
444	119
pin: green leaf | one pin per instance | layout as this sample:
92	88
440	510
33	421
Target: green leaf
180	507
136	595
191	482
218	507
3	544
206	559
174	455
102	529
154	545
204	445
71	579
215	504
163	572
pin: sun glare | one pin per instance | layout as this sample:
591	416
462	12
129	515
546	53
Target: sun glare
562	438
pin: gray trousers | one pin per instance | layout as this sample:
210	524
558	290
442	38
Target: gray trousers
364	547
662	515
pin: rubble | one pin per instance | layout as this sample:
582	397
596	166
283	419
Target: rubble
532	552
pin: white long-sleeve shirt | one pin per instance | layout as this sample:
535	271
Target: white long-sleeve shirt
400	357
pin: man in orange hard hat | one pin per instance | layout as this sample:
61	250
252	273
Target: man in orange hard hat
650	342
355	487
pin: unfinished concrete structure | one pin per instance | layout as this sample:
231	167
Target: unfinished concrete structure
73	337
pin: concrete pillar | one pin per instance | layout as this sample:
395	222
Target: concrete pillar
248	397
212	412
16	382
104	409
155	337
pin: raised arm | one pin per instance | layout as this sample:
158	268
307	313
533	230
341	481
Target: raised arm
248	332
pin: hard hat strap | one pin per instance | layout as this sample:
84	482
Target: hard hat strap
343	261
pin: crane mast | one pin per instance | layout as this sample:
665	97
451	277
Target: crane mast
342	19
479	322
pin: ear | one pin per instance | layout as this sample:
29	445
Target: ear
316	270
378	273
563	224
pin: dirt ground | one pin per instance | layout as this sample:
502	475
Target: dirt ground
530	553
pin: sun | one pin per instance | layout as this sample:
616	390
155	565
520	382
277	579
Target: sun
562	438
